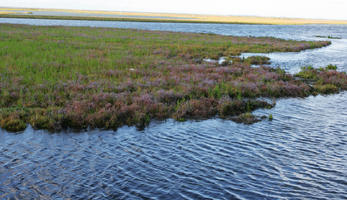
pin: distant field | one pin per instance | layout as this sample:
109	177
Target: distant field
161	17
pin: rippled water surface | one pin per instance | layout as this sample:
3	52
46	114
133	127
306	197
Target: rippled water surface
301	154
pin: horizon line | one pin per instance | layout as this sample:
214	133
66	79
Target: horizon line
179	13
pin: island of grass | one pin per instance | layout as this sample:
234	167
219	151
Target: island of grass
328	37
58	78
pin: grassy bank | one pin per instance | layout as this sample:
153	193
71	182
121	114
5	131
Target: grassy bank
71	77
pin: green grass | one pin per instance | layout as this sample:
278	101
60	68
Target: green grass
329	37
77	77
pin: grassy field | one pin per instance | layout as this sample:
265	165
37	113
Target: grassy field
161	17
77	77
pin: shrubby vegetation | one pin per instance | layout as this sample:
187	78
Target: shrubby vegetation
67	77
324	80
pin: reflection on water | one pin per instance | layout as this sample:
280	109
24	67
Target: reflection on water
301	154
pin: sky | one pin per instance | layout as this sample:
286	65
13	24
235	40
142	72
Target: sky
317	9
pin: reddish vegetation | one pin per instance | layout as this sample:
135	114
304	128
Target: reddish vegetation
77	85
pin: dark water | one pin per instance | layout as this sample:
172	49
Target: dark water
301	154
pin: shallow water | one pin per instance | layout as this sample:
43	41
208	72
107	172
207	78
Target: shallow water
301	154
335	54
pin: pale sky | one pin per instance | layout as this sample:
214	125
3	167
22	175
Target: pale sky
320	9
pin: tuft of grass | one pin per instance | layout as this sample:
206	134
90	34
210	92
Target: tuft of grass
307	73
331	67
246	118
12	122
326	88
329	37
257	60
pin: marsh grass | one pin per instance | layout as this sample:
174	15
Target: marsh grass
71	77
257	60
328	37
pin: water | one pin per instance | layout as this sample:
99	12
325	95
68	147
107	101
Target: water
292	62
301	154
